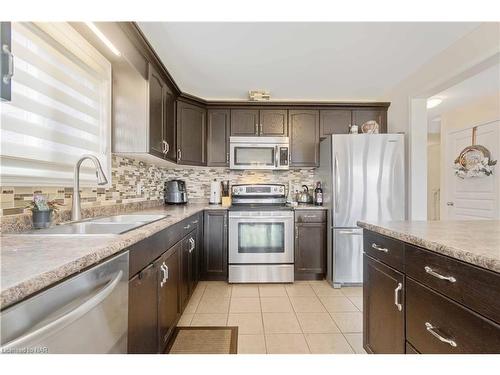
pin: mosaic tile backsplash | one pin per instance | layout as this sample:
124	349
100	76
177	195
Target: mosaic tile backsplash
127	174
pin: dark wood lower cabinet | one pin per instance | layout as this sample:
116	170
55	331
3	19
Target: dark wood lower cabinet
383	308
168	294
447	306
143	311
161	290
214	259
310	251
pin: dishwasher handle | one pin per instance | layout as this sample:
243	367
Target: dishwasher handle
69	317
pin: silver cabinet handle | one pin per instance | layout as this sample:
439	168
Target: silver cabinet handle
450	203
195	222
432	330
193	244
310	216
430	271
7	77
256	129
187	226
276	156
379	248
164	269
66	319
296	232
260	128
396	297
179	154
165	146
227	157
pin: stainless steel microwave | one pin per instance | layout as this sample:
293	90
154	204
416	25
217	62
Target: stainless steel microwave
259	153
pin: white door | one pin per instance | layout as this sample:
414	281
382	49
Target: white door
471	198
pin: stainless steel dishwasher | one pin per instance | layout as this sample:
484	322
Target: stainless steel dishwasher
87	313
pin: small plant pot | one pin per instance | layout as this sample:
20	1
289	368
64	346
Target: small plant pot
41	219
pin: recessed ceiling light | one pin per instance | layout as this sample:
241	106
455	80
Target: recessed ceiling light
103	37
433	102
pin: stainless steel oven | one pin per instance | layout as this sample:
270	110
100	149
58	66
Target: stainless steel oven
259	153
261	235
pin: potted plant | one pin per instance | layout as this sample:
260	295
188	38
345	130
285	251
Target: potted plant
42	211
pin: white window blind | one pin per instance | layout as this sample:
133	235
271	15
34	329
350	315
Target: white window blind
60	108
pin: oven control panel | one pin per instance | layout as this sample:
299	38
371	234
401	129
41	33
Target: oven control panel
263	190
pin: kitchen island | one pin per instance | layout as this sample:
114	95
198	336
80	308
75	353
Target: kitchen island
431	287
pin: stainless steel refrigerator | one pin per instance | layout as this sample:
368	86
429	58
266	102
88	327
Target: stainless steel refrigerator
363	178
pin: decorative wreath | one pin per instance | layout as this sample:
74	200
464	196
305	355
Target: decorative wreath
474	160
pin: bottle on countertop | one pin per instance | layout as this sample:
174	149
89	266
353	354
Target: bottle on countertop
318	194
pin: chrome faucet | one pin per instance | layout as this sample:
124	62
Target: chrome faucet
76	209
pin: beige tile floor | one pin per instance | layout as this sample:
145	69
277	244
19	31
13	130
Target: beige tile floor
304	317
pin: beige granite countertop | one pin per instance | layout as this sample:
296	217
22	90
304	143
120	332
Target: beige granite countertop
30	263
476	242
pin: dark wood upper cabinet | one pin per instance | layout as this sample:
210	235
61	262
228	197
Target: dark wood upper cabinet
143	312
334	121
191	132
273	122
170	126
244	122
218	130
310	251
384	321
214	259
169	310
304	137
156	112
363	115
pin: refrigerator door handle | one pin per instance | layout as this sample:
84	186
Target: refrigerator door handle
337	183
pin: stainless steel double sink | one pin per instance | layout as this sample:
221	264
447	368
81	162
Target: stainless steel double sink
110	225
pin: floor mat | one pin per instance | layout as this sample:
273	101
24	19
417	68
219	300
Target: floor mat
204	340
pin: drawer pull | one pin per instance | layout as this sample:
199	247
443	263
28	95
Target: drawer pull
187	226
396	297
432	330
377	247
430	271
310	216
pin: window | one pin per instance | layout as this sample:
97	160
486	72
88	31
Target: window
60	108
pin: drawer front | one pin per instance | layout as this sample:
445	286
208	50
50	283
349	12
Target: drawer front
436	324
474	287
310	216
385	249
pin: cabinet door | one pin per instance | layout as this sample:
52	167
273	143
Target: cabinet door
156	112
186	267
143	312
191	134
383	308
218	128
6	62
214	260
169	124
168	296
334	121
244	122
273	122
362	115
304	138
310	251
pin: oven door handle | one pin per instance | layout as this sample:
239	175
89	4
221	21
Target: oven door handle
262	218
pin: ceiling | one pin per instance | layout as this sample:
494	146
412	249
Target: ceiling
298	61
482	84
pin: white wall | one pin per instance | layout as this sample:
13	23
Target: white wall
474	52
